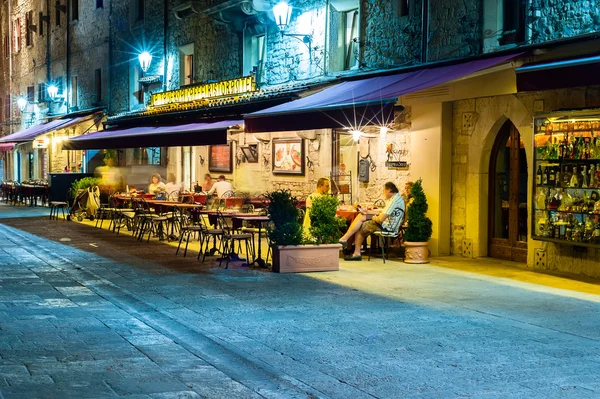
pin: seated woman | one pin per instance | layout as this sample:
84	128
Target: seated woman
156	184
208	182
172	187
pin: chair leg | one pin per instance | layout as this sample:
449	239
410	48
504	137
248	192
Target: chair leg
384	239
179	246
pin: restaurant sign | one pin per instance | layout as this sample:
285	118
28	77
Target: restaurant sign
396	164
223	88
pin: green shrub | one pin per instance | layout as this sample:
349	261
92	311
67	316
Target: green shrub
285	228
419	227
325	226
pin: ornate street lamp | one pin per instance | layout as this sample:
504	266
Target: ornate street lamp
282	12
22	103
52	92
145	60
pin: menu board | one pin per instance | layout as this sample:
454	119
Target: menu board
219	158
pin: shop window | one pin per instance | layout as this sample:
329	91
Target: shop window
74	10
74	96
99	4
186	64
41	23
17	35
30	94
513	21
254	54
98	84
30	165
6	46
28	28
57	7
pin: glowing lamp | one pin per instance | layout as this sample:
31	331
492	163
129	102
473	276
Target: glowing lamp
282	12
22	103
52	91
145	60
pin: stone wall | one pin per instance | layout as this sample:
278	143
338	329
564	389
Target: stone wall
557	19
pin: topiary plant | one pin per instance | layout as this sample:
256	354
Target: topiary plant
324	224
285	228
419	227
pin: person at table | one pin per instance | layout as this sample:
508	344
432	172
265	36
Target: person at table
156	184
172	187
322	189
208	182
220	187
361	228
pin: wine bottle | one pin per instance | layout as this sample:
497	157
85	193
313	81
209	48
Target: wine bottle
552	177
558	177
545	175
538	175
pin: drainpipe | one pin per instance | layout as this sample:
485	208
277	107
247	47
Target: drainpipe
10	66
166	32
68	56
326	44
424	30
110	56
48	42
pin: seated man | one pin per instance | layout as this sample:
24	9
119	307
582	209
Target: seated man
220	187
362	228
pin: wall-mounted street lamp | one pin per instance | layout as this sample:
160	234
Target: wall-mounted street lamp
283	12
22	103
52	91
145	60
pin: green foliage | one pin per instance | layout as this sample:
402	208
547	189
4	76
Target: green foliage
285	228
84	183
109	157
324	225
419	226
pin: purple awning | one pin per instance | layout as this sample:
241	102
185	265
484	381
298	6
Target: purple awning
37	130
154	136
360	102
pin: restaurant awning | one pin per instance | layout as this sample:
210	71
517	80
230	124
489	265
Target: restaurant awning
190	134
358	103
7	146
32	132
559	74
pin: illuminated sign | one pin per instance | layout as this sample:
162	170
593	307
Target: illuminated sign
40	143
210	90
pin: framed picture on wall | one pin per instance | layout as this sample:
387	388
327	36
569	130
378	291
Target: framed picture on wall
250	153
220	158
288	156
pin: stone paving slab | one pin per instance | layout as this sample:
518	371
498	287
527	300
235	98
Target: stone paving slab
160	326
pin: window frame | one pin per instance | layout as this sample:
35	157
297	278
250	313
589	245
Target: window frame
74	10
28	31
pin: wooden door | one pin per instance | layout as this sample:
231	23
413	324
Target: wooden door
508	196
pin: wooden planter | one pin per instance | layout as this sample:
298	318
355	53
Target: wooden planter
416	252
306	258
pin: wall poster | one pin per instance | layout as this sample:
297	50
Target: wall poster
220	158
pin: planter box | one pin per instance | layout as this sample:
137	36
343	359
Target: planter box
416	252
306	258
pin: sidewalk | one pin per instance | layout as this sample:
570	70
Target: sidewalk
86	313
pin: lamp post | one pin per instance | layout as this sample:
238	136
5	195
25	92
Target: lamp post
145	59
22	103
52	91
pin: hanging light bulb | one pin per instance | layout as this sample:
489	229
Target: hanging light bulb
383	130
356	135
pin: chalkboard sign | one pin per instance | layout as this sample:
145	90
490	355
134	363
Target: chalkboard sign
220	158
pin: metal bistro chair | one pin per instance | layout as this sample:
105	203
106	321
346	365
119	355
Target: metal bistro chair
150	222
105	211
55	206
385	236
230	238
216	234
188	226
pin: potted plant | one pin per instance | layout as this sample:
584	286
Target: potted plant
418	232
294	253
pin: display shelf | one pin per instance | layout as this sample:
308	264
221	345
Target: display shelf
559	143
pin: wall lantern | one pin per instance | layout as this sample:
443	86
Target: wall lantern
145	60
52	92
282	12
22	103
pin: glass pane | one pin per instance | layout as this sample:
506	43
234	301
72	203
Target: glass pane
501	184
522	230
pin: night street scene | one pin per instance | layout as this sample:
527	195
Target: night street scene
337	199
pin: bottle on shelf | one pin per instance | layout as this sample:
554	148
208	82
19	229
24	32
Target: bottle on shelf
552	177
546	176
538	176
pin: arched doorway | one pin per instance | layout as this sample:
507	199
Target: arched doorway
508	196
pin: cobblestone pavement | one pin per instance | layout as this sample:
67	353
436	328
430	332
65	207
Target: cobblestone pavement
88	314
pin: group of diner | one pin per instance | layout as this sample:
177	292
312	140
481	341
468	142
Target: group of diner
172	188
